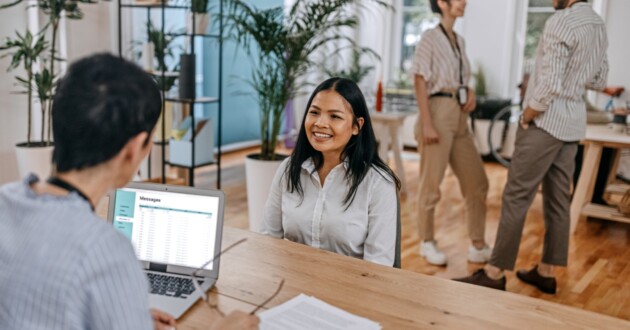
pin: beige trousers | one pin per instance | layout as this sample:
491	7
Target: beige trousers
457	149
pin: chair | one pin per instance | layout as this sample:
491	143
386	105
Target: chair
398	229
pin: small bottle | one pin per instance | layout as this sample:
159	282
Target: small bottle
379	97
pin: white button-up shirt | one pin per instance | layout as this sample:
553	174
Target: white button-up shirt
366	230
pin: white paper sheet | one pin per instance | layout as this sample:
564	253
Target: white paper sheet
309	313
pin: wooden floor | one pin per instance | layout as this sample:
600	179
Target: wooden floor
598	275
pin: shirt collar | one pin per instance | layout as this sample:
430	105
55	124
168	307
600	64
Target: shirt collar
309	165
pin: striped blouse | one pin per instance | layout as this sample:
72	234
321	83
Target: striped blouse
437	62
61	267
571	57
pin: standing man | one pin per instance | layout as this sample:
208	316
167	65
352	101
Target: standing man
61	267
571	57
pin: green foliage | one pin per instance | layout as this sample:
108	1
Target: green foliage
53	10
285	44
25	49
356	72
164	52
480	82
199	6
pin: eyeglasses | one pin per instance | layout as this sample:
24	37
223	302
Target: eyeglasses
196	278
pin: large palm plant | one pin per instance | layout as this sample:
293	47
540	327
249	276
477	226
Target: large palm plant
284	45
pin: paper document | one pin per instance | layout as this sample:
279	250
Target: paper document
308	313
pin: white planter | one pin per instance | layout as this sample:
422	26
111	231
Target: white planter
37	160
201	23
259	174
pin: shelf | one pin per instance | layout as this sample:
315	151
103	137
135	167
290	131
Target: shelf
202	99
604	212
203	35
186	166
159	143
152	5
166	74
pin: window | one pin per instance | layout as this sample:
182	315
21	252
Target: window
416	18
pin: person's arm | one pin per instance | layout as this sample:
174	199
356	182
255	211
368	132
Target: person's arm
380	243
272	213
429	134
556	55
113	288
598	82
423	55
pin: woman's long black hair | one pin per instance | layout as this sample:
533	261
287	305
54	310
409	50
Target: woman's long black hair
360	152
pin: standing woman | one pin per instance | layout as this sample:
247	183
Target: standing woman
441	75
334	192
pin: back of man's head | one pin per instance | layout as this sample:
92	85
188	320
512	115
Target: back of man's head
101	103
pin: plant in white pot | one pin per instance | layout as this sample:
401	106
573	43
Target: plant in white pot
25	50
30	50
283	46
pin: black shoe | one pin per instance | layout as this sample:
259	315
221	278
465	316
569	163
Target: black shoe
479	277
533	277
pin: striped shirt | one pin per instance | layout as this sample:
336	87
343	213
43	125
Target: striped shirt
437	62
571	57
366	230
61	267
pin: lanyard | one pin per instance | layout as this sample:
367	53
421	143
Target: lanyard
55	181
458	53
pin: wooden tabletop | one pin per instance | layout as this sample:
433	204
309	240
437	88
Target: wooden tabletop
394	298
606	136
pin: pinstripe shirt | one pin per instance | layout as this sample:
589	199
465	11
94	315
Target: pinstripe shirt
366	230
61	267
571	57
436	61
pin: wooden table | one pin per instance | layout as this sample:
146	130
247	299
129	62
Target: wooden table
597	137
395	298
387	128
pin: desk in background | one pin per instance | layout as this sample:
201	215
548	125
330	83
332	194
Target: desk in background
597	137
387	128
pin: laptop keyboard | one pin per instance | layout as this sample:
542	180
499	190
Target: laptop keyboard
171	286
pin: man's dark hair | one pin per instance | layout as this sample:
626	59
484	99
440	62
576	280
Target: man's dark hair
101	103
360	152
434	6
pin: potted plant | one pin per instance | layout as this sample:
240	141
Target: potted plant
282	45
29	49
198	18
25	50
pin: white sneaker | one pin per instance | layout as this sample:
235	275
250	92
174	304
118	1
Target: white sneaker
433	255
479	256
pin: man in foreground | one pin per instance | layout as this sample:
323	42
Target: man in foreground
62	267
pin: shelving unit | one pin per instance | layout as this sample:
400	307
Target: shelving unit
163	6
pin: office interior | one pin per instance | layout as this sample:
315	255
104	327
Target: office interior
501	38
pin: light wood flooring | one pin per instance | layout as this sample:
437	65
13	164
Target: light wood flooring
598	275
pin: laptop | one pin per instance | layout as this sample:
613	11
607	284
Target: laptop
174	231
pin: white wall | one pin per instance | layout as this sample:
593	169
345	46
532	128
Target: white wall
491	28
12	107
90	35
618	26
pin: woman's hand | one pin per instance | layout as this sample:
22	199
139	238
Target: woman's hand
430	135
471	103
161	320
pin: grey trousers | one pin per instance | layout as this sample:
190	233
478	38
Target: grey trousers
538	157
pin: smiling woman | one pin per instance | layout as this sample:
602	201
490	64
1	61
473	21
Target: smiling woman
334	192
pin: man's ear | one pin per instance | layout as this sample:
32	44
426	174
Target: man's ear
355	129
136	147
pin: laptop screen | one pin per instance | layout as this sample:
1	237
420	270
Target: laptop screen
168	227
